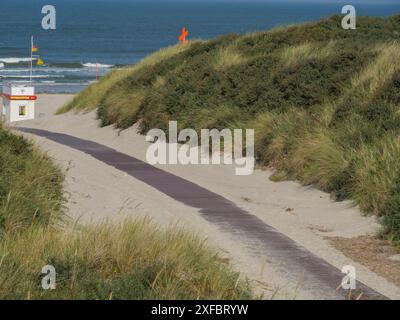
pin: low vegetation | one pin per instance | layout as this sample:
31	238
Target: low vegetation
325	103
130	260
30	185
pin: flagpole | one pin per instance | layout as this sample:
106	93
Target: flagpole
30	76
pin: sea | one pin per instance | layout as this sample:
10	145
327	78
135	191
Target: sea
93	37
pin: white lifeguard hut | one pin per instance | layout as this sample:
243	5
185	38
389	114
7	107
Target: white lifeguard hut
18	102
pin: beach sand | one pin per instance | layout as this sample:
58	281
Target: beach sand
97	192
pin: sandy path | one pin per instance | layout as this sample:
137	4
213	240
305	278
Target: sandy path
97	191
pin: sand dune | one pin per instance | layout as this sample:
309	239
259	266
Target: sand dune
96	191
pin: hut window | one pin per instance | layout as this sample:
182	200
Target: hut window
22	111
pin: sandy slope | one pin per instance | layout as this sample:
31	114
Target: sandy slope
96	191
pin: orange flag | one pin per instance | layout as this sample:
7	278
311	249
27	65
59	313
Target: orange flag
182	37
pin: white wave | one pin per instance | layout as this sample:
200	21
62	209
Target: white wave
6	71
34	76
15	60
95	65
1	65
60	84
54	70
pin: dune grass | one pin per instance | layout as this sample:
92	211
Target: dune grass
324	103
30	185
297	54
131	260
228	57
375	173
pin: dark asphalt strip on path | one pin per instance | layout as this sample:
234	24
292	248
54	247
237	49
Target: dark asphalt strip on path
293	260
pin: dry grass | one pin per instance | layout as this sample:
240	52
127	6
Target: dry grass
131	260
124	105
378	73
292	56
228	57
375	172
276	135
318	160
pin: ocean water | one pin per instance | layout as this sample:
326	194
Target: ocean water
114	33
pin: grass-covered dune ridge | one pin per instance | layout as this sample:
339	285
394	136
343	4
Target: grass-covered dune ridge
324	102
